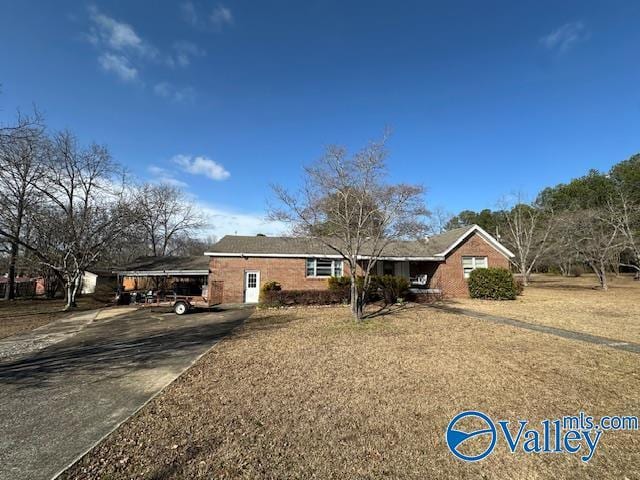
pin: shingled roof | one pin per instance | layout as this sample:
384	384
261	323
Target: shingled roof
197	265
434	246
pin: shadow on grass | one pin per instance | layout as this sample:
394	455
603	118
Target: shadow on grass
115	349
384	310
273	319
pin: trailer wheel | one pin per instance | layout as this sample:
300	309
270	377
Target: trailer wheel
180	308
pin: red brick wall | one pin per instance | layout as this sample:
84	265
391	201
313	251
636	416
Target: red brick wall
216	292
291	272
449	276
288	272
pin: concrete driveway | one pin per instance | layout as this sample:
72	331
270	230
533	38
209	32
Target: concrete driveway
57	403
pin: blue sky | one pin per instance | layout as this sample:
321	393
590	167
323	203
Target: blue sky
484	98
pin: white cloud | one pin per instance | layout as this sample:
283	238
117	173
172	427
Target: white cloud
118	65
122	51
184	94
116	35
177	94
565	37
118	44
162	175
201	165
162	89
226	221
221	16
183	52
189	13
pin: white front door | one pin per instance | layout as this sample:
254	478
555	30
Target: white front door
251	287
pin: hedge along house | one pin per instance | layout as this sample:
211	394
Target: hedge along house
240	265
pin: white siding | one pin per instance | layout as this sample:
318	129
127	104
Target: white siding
89	281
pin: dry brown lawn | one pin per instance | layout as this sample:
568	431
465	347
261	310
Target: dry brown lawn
573	304
306	393
17	316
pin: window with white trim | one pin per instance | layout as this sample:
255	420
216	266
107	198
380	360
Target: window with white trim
471	263
324	267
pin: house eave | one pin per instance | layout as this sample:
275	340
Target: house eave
161	273
410	259
437	258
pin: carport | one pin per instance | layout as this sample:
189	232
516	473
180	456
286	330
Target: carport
180	275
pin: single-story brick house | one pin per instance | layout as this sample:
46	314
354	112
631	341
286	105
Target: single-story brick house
240	265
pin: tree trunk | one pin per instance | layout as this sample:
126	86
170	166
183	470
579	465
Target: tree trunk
603	278
603	281
601	273
354	296
68	289
71	289
357	299
354	288
74	293
359	312
566	269
525	275
10	292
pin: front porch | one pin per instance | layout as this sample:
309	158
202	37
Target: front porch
419	274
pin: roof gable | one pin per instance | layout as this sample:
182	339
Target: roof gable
484	235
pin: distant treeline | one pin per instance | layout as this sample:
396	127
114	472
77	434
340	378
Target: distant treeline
592	221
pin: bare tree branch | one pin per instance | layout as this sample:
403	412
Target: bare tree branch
346	204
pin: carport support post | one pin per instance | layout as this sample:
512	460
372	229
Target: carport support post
119	286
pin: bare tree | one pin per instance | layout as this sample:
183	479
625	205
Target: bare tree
23	127
624	215
439	218
594	238
82	211
87	209
165	215
346	204
527	233
560	253
21	169
187	245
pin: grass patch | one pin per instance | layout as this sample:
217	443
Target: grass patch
22	315
573	304
307	393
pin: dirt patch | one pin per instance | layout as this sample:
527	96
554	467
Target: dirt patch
573	304
309	394
17	316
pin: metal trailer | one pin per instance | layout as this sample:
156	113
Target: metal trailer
180	304
184	304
